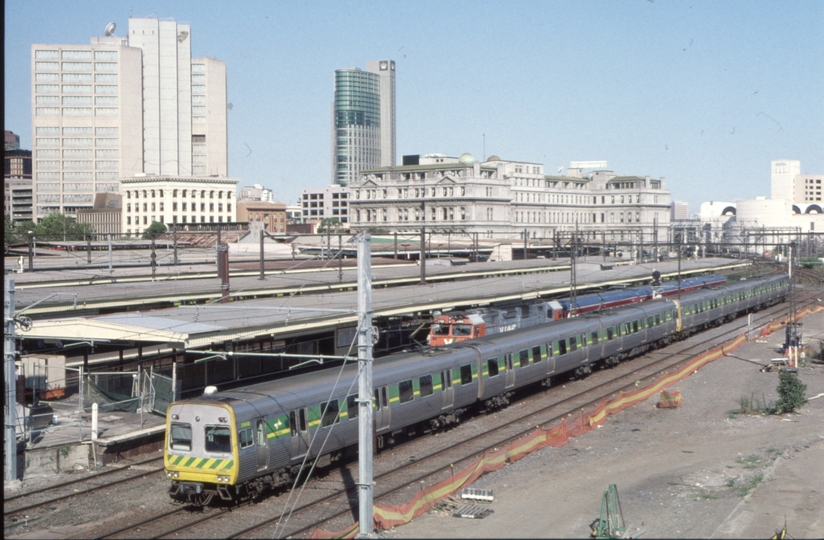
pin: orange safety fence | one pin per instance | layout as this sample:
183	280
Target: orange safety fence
386	516
780	323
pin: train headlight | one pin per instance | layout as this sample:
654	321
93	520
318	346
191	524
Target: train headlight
175	474
168	474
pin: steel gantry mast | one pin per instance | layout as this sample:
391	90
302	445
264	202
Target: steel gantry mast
365	426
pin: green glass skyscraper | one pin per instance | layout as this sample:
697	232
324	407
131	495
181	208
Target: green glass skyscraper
363	120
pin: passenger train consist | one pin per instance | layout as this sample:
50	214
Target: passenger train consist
236	443
457	326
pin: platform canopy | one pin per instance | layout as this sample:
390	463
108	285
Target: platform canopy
118	328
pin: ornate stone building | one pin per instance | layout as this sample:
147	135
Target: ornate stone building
501	199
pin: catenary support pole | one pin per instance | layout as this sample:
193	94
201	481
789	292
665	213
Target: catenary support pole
10	376
31	251
174	243
262	276
365	426
110	253
423	243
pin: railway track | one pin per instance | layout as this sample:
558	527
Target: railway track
333	506
18	505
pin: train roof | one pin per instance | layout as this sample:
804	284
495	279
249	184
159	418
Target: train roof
390	367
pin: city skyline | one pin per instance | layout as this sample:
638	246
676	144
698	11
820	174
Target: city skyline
703	94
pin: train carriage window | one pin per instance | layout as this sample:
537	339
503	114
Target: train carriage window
298	424
466	374
649	322
261	433
425	384
405	391
180	436
594	338
573	344
218	439
657	320
536	354
440	329
245	438
330	411
461	330
549	350
635	326
492	366
610	333
524	357
352	406
562	346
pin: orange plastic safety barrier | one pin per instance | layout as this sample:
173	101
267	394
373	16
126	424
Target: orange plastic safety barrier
386	516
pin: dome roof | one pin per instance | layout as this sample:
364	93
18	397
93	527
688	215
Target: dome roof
493	158
467	159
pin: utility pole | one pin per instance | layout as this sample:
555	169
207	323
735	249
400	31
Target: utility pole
423	243
365	425
153	259
10	375
678	245
340	258
573	285
174	242
262	276
110	253
791	343
526	239
31	251
89	249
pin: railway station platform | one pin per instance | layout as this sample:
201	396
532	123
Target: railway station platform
65	445
285	306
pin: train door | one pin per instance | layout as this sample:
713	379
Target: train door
448	392
550	359
262	445
510	372
300	432
381	411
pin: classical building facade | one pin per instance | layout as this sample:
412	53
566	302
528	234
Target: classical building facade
176	199
508	199
363	120
271	214
122	106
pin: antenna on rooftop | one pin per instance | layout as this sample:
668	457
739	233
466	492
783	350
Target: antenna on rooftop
110	29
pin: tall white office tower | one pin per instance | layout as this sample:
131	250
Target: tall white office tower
363	120
385	69
120	107
782	174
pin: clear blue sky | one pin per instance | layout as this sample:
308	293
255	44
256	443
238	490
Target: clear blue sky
704	93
